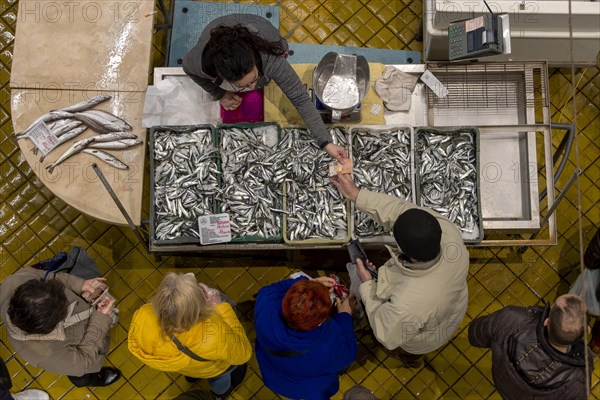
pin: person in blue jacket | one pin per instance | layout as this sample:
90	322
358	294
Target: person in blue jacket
300	346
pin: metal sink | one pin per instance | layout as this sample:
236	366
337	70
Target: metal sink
509	180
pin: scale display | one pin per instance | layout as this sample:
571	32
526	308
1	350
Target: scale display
475	37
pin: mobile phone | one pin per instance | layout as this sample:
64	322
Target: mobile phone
102	296
356	250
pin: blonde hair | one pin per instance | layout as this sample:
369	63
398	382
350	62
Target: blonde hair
179	303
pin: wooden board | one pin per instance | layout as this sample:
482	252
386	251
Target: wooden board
74	181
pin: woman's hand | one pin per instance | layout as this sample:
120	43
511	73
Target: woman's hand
230	101
92	288
325	280
213	296
336	152
346	305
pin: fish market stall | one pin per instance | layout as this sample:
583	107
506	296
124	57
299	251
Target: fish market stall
422	155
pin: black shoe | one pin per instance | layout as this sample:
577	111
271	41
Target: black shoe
106	376
237	377
190	379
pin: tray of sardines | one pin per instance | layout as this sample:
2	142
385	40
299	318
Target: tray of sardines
184	179
253	171
447	176
315	211
382	162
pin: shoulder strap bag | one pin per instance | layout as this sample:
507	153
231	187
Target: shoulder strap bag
187	351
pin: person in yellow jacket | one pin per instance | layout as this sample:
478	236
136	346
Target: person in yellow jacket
187	328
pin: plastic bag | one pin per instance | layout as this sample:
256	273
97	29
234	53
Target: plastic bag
586	286
179	101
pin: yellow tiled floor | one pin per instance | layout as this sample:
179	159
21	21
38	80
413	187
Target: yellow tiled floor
34	225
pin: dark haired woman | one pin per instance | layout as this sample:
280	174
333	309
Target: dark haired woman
300	347
242	52
52	327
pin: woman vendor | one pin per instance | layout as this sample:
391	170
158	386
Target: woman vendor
244	52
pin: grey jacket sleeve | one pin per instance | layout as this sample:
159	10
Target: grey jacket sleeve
288	81
207	84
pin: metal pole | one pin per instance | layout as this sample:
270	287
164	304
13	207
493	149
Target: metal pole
561	195
554	205
120	205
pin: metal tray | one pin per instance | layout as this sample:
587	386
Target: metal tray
375	129
319	241
449	131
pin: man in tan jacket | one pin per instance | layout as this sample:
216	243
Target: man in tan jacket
53	327
420	296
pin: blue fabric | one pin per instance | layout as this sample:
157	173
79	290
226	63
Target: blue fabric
221	384
328	348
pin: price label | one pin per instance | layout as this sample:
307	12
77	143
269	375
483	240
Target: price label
475	23
214	228
43	138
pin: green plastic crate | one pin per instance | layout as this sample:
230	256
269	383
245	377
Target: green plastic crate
279	200
179	129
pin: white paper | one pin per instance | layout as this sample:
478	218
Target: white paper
43	138
434	84
214	228
178	100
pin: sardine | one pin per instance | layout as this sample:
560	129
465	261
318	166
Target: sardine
86	104
107	158
72	134
98	123
121	123
48	117
116	145
63	129
75	148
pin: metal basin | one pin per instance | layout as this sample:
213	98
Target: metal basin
352	69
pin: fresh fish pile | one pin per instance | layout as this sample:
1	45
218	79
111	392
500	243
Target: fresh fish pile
185	182
447	174
69	122
381	163
253	173
314	207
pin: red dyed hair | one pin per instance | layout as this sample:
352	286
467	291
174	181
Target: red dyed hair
306	305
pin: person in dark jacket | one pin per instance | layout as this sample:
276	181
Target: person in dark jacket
241	52
300	347
537	352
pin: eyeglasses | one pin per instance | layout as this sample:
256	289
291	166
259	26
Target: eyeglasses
247	87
